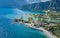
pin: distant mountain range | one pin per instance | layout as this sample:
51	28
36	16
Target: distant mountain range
38	6
23	5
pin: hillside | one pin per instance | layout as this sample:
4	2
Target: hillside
42	6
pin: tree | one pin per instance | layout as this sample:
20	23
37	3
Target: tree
15	20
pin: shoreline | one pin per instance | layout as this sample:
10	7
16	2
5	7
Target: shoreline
49	34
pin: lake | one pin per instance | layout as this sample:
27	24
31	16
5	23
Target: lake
9	29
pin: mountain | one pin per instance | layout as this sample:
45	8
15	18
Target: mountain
42	6
36	6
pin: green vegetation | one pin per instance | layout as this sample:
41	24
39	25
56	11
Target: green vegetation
18	20
53	15
54	29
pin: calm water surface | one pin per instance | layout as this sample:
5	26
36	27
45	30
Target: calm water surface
9	29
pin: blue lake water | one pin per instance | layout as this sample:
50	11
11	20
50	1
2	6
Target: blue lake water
9	29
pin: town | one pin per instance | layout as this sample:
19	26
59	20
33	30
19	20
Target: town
49	21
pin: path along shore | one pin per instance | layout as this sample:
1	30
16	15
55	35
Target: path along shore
49	34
